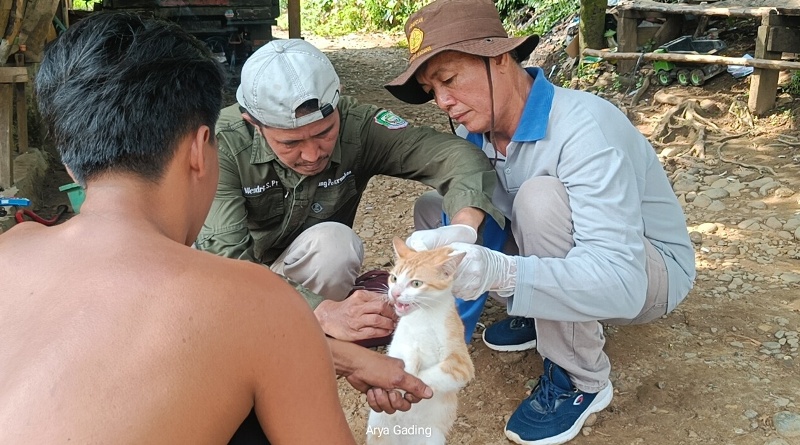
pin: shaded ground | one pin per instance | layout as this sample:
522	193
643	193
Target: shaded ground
719	367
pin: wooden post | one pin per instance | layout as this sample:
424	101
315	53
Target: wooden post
627	36
22	109
293	10
6	162
8	76
763	83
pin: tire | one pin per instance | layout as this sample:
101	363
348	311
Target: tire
697	77
683	77
664	77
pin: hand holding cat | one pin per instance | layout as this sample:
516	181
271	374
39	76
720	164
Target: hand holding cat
384	380
441	236
483	270
360	316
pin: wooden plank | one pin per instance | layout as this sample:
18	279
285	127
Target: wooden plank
784	39
6	163
5	13
763	83
670	30
708	9
13	74
768	65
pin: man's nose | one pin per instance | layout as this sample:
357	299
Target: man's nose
310	153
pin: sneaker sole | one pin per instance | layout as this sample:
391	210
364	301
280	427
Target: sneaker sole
508	348
599	403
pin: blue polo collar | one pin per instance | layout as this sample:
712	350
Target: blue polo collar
533	123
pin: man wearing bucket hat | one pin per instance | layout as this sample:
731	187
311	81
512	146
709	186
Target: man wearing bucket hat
597	233
295	159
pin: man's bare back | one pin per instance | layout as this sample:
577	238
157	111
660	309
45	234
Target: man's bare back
114	333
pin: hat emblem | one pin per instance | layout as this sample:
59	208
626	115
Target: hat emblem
415	40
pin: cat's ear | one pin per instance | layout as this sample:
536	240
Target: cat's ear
401	250
450	266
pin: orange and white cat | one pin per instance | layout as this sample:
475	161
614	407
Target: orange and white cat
430	340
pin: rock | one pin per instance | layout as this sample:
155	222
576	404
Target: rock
511	357
784	192
758	183
791	225
684	185
787	424
702	201
797	234
766	188
696	237
707	228
758	205
752	224
716	206
773	223
591	420
776	441
725	277
720	183
715	193
790	277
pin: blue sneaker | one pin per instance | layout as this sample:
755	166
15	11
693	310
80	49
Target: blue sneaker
555	411
511	334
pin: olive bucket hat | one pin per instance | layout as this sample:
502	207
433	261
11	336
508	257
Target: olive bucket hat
467	26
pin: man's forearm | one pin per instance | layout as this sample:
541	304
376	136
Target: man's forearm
470	216
342	353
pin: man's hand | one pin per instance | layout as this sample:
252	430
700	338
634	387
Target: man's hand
483	270
360	316
381	377
442	236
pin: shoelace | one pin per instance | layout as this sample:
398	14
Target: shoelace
520	322
546	394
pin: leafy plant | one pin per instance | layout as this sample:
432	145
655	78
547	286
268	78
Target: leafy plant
794	84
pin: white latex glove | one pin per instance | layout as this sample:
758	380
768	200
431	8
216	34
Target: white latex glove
442	236
483	270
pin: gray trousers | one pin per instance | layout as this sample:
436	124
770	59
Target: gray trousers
541	223
326	258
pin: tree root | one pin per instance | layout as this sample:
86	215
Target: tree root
760	168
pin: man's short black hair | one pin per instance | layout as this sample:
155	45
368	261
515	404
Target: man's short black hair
118	91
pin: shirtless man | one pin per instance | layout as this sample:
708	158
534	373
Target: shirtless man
113	329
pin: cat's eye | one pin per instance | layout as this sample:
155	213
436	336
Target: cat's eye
392	279
416	283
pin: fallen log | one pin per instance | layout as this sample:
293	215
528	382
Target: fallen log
697	58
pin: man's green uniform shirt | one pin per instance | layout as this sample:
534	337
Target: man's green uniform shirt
262	205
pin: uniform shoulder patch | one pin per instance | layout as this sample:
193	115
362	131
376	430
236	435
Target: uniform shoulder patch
390	120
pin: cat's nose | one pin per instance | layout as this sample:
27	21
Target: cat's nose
395	294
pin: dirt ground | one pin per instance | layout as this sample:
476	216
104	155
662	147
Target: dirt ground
723	368
722	365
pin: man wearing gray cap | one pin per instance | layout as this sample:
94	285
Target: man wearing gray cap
295	159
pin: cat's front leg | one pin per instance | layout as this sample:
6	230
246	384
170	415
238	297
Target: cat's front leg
450	375
409	356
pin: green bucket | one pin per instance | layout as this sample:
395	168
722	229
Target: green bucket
76	195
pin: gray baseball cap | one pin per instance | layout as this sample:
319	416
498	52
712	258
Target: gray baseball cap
282	75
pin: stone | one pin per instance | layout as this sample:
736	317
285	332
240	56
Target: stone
790	277
765	189
758	205
702	201
760	182
791	225
784	192
707	228
716	206
787	424
773	223
716	193
696	237
684	185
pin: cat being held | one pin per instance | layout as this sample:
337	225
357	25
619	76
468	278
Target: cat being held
430	340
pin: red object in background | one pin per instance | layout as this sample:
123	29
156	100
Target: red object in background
375	281
20	216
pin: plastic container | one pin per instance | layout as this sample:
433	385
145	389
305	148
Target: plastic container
76	195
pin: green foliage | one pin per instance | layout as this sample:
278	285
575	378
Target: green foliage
794	84
338	17
535	16
85	5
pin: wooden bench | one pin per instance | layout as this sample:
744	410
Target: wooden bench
779	32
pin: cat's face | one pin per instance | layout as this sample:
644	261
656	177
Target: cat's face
422	279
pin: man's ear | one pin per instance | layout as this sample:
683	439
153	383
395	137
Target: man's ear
198	155
250	120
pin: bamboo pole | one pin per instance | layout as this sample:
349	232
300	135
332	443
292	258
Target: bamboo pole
697	58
